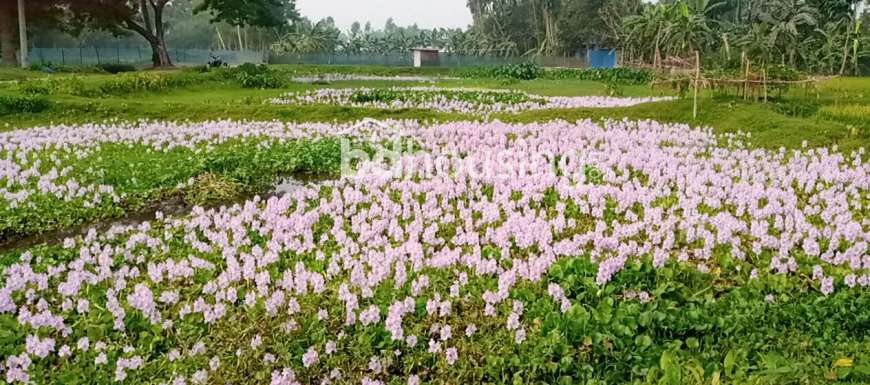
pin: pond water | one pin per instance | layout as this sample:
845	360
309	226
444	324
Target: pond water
173	206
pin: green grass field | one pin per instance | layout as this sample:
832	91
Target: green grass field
830	114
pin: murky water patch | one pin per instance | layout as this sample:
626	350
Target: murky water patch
169	207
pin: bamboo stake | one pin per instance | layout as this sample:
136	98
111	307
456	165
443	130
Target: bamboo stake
764	79
746	81
697	81
742	65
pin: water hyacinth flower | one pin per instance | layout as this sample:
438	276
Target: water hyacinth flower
310	357
461	100
432	251
451	355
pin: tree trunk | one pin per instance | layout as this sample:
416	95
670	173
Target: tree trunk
239	35
160	52
160	55
146	15
7	32
22	34
220	38
548	33
846	48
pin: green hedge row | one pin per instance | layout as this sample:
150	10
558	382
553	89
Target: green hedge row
529	71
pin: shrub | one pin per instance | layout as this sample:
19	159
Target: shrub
623	76
801	108
117	68
525	71
52	86
529	71
23	104
58	68
257	76
124	85
250	75
200	69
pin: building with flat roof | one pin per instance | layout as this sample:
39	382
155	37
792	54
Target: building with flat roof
425	56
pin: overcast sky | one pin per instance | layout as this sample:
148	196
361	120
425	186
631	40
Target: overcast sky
426	13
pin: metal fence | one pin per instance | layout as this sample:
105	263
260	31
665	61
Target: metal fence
445	60
140	55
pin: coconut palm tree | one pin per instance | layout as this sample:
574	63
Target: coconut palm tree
308	37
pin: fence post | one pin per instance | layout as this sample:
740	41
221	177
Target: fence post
697	81
62	57
764	79
81	57
97	50
746	81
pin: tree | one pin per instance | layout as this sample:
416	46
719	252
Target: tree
143	17
146	17
308	37
7	31
787	18
612	14
262	13
581	25
39	13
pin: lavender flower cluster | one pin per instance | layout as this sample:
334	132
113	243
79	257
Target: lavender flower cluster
439	99
46	163
334	77
367	252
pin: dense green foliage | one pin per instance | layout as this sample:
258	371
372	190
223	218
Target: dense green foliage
254	76
526	71
116	68
247	76
821	36
386	95
700	327
146	18
23	104
605	75
530	71
122	84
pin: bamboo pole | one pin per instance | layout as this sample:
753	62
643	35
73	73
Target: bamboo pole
742	65
697	83
746	81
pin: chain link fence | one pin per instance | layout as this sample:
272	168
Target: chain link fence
444	60
140	55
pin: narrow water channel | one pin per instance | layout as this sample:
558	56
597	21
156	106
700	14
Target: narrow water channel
173	206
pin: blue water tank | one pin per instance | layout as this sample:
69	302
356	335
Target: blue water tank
601	57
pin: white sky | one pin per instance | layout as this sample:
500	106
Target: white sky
426	13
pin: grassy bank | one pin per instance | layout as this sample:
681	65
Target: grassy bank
827	115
